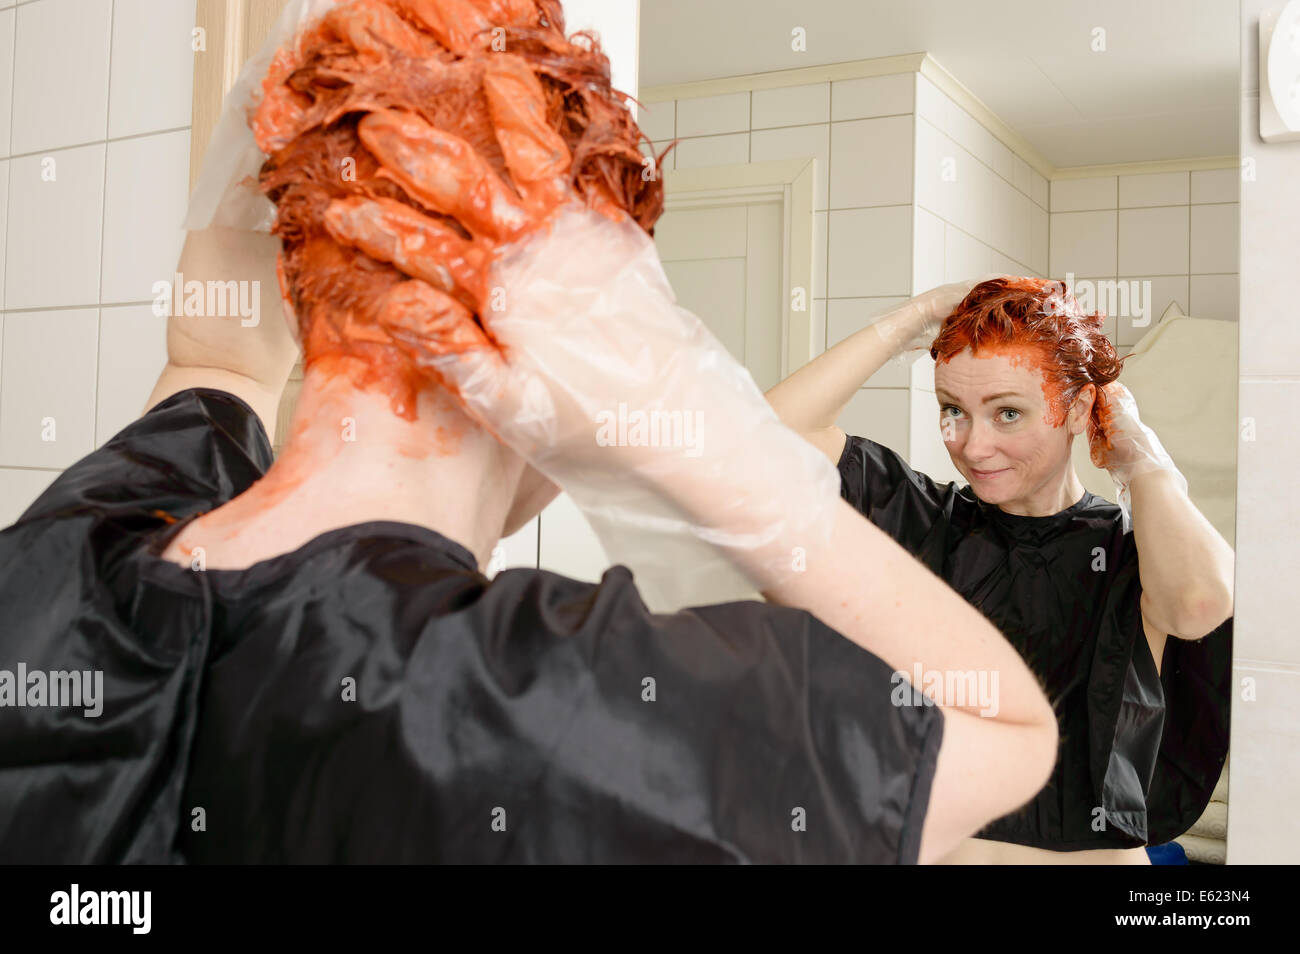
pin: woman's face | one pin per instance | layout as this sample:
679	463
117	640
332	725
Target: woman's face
996	421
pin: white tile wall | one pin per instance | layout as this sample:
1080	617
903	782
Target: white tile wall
799	142
792	106
94	171
711	115
871	162
147	188
904	201
151	39
913	192
872	96
870	252
54	105
1178	230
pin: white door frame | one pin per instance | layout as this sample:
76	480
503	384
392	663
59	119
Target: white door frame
791	183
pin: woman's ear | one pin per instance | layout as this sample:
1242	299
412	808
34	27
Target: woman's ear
1081	410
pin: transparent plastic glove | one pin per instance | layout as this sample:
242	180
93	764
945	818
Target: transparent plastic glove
226	193
1127	448
583	363
630	404
923	317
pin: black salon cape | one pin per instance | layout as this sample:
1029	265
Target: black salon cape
1145	748
502	721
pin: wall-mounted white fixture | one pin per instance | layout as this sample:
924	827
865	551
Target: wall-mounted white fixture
1279	73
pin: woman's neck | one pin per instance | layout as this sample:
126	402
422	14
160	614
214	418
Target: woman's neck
350	459
1051	498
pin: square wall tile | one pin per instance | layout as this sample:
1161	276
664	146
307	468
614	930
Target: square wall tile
1007	266
47	387
1159	188
969	133
1264	778
711	115
1217	185
658	120
1024	180
55	218
1039	238
932	104
19	488
1039	189
1215	296
1268	521
872	96
847	316
144	204
712	151
972	199
882	415
1216	237
937	174
927	251
798	142
1147	302
964	257
1270	232
1083	243
1154	241
1021	236
792	106
152	67
871	162
132	353
54	105
6	78
1081	195
870	252
1004	162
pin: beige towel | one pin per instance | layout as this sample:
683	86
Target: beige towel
1209	851
1183	375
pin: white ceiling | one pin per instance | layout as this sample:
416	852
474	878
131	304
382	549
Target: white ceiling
1167	87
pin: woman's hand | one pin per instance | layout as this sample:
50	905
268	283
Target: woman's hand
1124	446
922	317
583	363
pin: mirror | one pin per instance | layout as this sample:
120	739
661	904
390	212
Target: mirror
1096	145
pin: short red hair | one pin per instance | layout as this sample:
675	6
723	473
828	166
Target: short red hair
1041	314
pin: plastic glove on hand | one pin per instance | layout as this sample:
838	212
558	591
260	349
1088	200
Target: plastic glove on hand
925	315
1124	446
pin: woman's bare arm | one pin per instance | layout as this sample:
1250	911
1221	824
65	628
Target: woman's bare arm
811	399
1186	566
248	356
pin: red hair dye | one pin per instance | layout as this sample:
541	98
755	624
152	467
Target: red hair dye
425	57
1037	322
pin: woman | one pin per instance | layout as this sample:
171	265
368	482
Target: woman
1133	653
302	660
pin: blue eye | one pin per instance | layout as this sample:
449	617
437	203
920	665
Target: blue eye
1010	410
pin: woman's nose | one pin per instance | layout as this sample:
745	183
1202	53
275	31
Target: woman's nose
979	441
